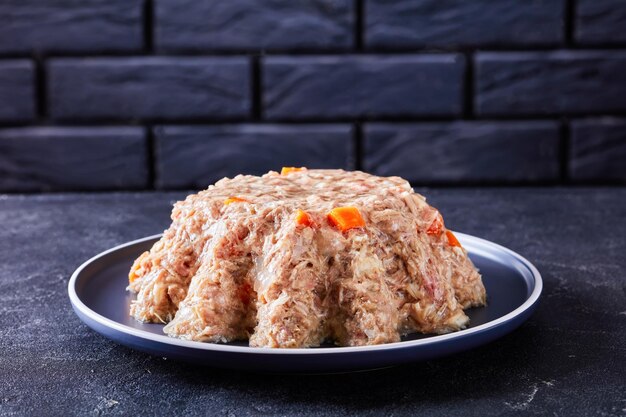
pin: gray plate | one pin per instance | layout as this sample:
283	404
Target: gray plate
98	296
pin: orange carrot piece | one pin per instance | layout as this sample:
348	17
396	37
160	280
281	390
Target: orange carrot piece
303	218
436	227
132	275
137	265
345	218
287	170
452	240
230	200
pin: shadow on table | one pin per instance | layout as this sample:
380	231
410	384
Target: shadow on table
560	350
551	349
500	366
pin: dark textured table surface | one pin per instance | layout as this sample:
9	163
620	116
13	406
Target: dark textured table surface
568	359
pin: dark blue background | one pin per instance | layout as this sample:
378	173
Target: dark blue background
173	94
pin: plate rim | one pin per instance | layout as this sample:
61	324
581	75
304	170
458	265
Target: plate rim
81	307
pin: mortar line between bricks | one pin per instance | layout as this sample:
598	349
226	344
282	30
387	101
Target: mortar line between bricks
359	18
256	86
569	22
303	53
247	121
468	90
148	32
41	96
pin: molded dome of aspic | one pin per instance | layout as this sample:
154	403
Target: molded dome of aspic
302	257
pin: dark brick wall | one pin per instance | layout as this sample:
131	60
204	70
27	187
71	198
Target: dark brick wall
173	94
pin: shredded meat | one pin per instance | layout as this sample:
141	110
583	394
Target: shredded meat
236	264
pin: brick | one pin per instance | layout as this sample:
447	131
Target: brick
197	156
253	24
73	158
561	82
457	152
332	87
70	25
17	90
393	24
598	150
149	88
600	22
